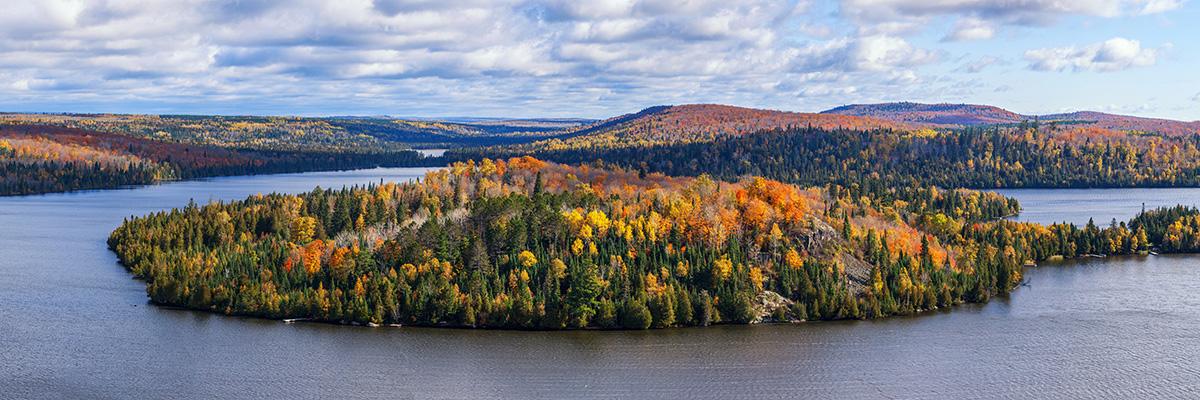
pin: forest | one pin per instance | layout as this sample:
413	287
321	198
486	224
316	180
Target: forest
41	159
694	123
528	244
303	134
1027	155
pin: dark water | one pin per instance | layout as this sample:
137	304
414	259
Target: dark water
74	325
1047	206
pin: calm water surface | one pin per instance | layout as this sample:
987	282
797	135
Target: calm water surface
432	152
73	324
1047	206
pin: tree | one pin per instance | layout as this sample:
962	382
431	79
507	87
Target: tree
303	229
662	309
527	259
635	315
584	287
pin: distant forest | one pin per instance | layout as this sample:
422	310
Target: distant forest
41	159
1021	156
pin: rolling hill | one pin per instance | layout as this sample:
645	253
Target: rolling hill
1126	123
701	122
960	115
48	158
693	123
938	114
356	134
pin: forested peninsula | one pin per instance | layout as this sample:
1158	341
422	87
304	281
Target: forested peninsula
528	244
43	159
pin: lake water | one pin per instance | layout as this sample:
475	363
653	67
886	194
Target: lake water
73	324
432	152
1047	206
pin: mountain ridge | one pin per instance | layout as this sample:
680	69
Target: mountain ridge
703	122
959	114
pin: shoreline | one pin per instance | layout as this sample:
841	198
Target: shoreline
1056	260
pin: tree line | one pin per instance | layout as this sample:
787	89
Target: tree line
1025	156
50	159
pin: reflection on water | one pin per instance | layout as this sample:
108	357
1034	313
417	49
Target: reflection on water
76	325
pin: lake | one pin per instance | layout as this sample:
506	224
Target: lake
1047	206
432	152
73	324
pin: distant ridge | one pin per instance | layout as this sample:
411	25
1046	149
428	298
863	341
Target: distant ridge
703	122
974	114
940	114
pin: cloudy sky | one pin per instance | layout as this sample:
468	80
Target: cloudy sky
594	58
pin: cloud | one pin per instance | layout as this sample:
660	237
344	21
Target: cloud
979	64
979	19
875	53
1196	97
1022	12
884	53
1160	6
538	57
413	56
971	29
1111	55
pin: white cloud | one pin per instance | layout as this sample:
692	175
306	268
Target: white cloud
404	56
1023	11
1160	6
980	19
1111	55
971	29
874	53
490	56
884	53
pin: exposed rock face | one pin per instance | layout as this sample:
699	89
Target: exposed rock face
769	304
819	238
858	273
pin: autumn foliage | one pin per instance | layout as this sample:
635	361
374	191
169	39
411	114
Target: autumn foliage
524	243
38	159
698	123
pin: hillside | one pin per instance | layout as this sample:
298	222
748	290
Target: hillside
699	123
40	159
960	115
353	134
1126	123
938	114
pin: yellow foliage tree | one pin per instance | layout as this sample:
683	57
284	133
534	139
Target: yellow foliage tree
527	259
303	229
723	267
577	247
559	268
756	277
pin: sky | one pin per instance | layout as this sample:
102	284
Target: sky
594	59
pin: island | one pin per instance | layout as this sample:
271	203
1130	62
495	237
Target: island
528	244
